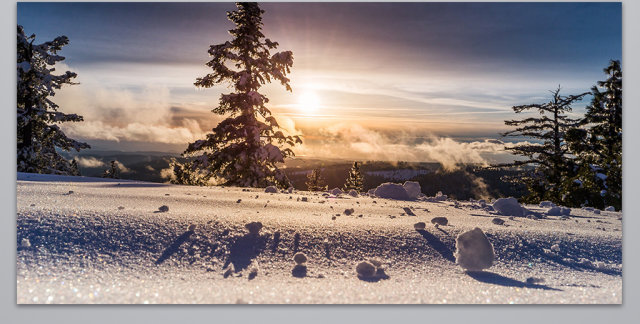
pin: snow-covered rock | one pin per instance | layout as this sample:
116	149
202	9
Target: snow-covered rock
336	191
413	189
391	191
271	189
509	207
474	252
353	193
546	204
610	209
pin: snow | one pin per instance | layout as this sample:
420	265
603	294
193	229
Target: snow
546	204
390	190
474	252
108	255
559	211
271	189
336	191
610	209
509	207
413	189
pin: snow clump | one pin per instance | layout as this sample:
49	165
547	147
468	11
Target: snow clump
559	211
391	191
474	252
509	207
300	258
348	211
271	189
366	269
413	189
163	208
440	221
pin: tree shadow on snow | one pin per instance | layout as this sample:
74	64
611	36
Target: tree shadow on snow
173	248
244	250
496	279
438	245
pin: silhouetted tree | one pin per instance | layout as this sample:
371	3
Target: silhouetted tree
185	174
598	144
548	151
38	135
315	181
243	150
354	178
113	171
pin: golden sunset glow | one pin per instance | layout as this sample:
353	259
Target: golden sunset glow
308	102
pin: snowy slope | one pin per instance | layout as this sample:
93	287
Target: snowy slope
104	241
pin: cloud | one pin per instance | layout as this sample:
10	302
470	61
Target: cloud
89	162
122	168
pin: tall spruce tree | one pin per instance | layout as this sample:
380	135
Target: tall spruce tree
315	181
548	152
244	149
38	135
354	178
598	143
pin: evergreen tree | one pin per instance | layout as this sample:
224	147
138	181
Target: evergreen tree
185	174
548	153
598	143
38	135
243	150
113	171
75	170
354	179
315	181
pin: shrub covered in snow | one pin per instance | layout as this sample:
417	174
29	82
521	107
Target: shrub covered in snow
474	252
509	207
391	191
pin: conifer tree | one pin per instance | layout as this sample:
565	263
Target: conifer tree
315	181
113	171
598	143
354	179
244	149
548	153
75	169
38	135
185	174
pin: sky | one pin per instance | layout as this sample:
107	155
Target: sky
392	81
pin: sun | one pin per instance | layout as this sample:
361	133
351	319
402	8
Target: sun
309	102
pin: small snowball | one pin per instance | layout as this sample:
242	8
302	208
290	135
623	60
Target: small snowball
271	189
300	258
348	211
366	269
419	226
440	221
163	208
498	221
25	243
254	227
474	252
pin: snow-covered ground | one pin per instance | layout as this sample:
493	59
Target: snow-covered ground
84	240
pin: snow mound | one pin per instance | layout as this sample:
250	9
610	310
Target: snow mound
353	193
559	211
546	204
336	191
474	252
391	191
509	207
413	189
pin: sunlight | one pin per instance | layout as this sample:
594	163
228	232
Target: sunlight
308	102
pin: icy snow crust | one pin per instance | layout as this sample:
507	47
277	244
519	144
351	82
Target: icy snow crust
84	248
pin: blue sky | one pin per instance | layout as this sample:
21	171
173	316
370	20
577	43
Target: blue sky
404	72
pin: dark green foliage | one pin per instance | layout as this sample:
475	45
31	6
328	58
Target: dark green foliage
598	144
315	181
244	149
548	152
38	135
354	179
